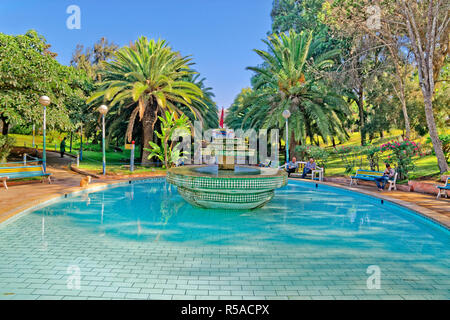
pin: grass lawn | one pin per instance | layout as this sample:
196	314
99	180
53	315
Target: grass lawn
118	169
426	167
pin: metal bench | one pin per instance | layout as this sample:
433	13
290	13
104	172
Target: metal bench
443	189
369	175
19	172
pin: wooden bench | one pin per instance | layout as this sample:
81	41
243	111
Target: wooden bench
19	172
443	189
369	175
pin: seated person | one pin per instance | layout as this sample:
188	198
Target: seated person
388	174
292	166
309	167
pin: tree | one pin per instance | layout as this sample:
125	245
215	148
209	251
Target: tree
425	27
209	115
28	70
356	19
428	25
148	77
291	78
91	60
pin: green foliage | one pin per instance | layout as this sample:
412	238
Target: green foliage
321	155
401	154
171	129
91	59
289	79
146	78
350	156
445	140
373	156
6	144
27	71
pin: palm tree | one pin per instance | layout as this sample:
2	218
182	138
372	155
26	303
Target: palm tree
149	77
210	114
291	77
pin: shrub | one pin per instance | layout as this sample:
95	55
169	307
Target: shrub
373	156
321	155
6	144
400	153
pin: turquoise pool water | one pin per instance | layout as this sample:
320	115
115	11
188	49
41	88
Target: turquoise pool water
143	241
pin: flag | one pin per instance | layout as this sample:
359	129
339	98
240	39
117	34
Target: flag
221	119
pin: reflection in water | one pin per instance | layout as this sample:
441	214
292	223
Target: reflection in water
302	233
43	241
86	198
298	215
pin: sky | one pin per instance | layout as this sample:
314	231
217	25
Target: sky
219	34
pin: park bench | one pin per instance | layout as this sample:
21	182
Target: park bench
369	175
19	172
443	189
316	174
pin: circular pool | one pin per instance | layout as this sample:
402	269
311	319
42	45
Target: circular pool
142	241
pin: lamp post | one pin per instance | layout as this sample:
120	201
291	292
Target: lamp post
44	101
286	115
103	110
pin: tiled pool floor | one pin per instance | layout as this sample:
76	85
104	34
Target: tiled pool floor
143	242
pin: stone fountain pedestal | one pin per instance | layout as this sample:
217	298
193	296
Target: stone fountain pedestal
240	189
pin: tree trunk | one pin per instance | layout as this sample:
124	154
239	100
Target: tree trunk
362	121
405	115
437	145
148	125
5	127
71	141
292	144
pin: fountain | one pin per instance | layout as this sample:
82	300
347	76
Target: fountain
227	185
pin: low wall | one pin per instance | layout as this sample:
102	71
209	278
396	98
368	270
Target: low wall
423	187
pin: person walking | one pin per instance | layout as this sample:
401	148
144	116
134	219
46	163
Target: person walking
62	147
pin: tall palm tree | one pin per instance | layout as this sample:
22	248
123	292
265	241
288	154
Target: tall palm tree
291	77
149	77
210	114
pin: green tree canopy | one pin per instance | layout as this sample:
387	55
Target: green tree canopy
149	77
29	70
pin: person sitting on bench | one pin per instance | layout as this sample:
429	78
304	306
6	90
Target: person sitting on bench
309	167
388	174
292	166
